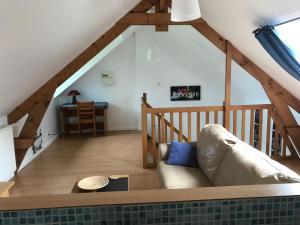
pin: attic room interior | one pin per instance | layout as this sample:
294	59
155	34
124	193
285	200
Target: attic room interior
150	112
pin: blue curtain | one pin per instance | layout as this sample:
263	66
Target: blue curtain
282	54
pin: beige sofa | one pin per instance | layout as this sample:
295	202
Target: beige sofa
223	160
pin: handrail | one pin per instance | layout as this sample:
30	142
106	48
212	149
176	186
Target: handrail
186	109
258	125
249	107
168	123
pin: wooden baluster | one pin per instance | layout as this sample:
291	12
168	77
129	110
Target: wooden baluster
166	133
268	134
180	127
198	123
284	139
243	125
260	127
153	127
144	135
207	117
189	126
276	144
171	126
251	141
159	130
216	117
234	122
163	135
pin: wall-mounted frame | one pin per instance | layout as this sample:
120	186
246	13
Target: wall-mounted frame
185	93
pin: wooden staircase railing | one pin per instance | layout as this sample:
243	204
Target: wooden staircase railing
257	125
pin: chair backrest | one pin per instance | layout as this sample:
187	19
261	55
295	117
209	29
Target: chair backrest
86	110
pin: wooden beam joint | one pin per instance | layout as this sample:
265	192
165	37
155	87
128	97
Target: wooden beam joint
21	143
154	19
161	7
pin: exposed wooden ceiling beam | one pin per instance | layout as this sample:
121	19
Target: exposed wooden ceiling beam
50	86
161	7
265	79
153	19
38	102
295	132
36	105
23	143
278	95
211	35
260	75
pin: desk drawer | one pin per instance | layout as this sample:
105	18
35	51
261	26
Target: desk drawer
74	127
73	112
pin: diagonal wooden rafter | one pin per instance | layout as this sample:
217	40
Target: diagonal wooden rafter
161	7
35	106
279	96
153	19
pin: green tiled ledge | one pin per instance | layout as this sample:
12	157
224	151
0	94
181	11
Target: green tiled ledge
283	210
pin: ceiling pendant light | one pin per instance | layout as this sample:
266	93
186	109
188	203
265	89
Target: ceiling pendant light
185	10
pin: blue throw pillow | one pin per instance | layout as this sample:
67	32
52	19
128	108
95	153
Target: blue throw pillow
182	154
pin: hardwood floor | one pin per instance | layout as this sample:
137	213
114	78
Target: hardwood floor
56	170
66	160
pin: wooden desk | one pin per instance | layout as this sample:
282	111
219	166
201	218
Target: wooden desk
4	188
69	118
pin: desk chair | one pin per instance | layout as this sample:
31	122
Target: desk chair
86	115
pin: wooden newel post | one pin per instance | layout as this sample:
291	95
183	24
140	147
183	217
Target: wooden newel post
144	98
144	131
227	85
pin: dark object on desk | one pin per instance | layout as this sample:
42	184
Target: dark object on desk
74	93
86	115
120	184
69	118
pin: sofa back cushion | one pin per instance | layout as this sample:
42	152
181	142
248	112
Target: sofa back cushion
245	165
212	146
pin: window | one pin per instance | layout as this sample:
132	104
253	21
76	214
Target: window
289	33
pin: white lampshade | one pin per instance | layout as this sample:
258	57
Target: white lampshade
185	10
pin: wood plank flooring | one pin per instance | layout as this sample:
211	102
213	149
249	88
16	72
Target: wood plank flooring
67	159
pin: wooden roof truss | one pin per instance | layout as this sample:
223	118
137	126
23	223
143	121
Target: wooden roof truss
36	105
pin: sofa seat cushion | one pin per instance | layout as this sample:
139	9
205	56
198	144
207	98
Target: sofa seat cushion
177	177
245	165
213	143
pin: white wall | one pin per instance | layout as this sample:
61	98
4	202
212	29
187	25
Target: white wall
186	58
121	95
3	121
7	154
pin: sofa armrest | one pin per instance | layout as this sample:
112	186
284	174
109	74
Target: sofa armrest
164	148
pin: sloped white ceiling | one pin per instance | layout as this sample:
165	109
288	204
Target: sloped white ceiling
38	38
